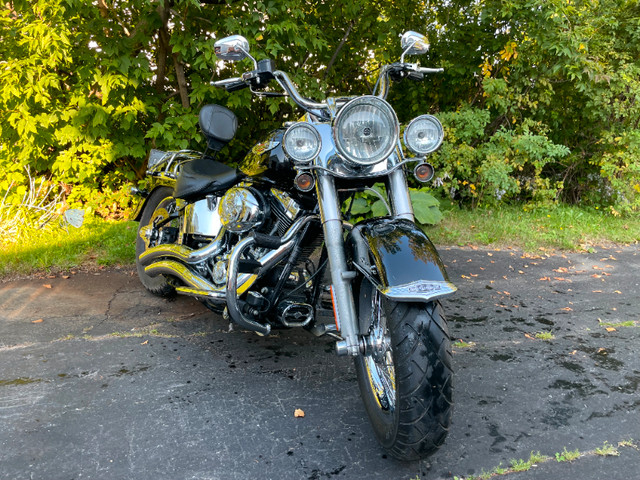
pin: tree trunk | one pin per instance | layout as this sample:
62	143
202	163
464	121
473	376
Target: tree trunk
182	81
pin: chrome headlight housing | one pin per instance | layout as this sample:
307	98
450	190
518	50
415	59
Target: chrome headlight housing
423	135
302	142
366	130
240	210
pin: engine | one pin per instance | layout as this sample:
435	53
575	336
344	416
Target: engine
240	210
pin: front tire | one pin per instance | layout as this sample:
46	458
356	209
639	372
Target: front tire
159	202
405	376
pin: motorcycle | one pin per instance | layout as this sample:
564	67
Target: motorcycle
270	244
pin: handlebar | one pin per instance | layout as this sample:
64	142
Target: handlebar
231	84
265	72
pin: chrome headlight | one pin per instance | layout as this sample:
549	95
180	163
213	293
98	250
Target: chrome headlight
423	135
366	130
240	210
302	142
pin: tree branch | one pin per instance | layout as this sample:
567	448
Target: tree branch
340	45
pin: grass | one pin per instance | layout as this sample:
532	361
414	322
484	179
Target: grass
607	450
536	458
562	227
100	242
545	336
567	456
462	344
97	242
628	323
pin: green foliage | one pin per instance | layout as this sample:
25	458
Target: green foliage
97	242
607	450
369	204
540	100
567	456
486	169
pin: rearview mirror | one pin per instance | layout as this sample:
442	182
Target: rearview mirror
233	48
414	43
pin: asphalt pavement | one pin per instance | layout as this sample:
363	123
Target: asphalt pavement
101	380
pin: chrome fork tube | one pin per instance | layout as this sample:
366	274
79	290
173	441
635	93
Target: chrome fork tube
399	195
341	277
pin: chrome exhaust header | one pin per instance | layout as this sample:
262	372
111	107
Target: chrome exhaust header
196	285
183	253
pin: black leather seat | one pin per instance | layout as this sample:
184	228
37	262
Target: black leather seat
204	176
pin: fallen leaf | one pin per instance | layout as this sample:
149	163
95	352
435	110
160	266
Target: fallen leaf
66	277
520	272
606	274
561	270
602	350
473	274
489	254
618	292
561	279
596	291
299	413
573	353
46	285
506	293
529	336
595	275
610	329
568	309
40	320
545	279
464	276
145	342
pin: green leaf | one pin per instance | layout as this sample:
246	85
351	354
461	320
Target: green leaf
360	206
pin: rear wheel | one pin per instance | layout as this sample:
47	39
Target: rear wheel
405	375
156	227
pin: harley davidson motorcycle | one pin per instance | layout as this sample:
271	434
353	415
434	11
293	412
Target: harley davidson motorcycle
271	245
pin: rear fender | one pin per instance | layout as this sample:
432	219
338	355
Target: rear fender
153	183
399	259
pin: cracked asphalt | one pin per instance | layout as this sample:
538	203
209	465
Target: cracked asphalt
99	379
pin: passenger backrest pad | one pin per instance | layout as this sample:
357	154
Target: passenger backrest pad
219	125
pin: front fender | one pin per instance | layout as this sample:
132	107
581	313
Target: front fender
399	259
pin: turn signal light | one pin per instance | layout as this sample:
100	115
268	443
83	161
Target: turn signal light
304	182
423	172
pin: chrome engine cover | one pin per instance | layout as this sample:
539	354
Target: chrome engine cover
201	218
242	209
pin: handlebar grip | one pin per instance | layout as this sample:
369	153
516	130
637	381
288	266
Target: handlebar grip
430	70
416	75
232	87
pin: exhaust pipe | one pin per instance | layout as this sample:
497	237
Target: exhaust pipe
182	253
237	284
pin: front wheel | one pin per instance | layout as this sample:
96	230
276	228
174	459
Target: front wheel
405	375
